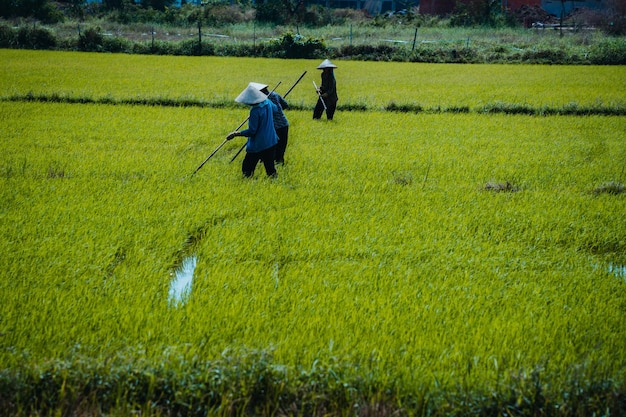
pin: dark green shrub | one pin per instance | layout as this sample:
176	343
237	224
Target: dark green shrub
34	38
544	56
239	49
22	39
156	48
90	41
142	48
368	52
43	39
296	46
7	37
115	44
67	44
193	47
461	55
608	52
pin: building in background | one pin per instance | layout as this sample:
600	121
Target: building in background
373	7
435	7
555	7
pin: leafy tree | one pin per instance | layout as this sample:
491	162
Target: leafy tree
42	10
77	8
159	5
281	11
477	12
113	4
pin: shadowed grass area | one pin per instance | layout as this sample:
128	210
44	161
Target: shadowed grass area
571	109
611	187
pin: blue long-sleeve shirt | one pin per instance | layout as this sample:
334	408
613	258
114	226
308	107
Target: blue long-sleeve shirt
260	132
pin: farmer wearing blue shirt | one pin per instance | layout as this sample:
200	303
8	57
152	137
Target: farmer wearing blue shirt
262	138
281	124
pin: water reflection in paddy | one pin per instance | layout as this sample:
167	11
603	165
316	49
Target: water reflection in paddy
180	287
618	270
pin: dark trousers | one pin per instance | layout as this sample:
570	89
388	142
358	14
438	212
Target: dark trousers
331	106
283	135
251	160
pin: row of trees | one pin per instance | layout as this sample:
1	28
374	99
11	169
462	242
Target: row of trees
274	11
42	10
279	12
48	12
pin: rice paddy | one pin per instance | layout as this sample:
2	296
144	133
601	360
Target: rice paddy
411	263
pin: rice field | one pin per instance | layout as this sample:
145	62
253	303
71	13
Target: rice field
371	84
408	263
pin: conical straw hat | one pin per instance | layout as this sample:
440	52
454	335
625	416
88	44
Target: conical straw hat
250	96
326	64
258	86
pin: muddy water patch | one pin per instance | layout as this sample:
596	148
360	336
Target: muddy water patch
180	287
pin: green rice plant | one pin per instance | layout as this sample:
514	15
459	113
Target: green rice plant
361	85
374	275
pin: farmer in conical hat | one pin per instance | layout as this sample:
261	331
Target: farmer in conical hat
281	124
261	135
327	91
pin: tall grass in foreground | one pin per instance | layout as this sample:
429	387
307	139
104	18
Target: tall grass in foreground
378	274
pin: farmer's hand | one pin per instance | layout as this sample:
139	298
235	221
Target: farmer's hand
231	135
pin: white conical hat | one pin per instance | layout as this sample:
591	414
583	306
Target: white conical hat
250	96
326	64
258	86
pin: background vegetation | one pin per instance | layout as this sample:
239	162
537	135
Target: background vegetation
403	263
